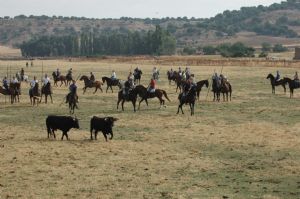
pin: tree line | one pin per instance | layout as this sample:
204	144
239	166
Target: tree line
158	42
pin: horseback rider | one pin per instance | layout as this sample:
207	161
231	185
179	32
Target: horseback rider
216	78
57	73
69	74
5	83
14	80
296	78
130	79
171	73
277	78
73	92
32	85
22	73
152	85
136	71
155	73
179	71
187	87
113	75
92	78
46	80
187	72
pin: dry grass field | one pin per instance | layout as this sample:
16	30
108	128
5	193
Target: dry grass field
246	148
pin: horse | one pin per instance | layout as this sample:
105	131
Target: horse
225	89
69	78
216	89
200	84
179	83
61	78
14	90
292	85
137	76
190	99
34	94
144	94
155	75
110	82
132	96
46	90
89	84
274	83
172	77
72	100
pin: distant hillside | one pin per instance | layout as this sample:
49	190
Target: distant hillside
278	23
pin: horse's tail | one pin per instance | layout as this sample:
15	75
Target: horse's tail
166	96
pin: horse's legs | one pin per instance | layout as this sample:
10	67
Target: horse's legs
100	89
106	88
51	98
140	103
119	100
198	94
84	89
133	103
42	97
123	105
284	88
96	90
61	83
46	96
111	89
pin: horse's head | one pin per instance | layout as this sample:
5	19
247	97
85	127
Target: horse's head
104	79
83	77
270	76
54	74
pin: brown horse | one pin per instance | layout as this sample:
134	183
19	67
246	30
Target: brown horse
226	89
132	96
200	84
274	83
61	78
144	94
34	94
89	84
110	82
46	90
190	99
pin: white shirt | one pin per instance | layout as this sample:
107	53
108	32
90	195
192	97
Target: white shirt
15	80
113	75
46	80
33	82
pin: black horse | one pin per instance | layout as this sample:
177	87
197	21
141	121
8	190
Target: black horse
144	94
172	76
216	89
200	84
132	96
137	76
274	83
293	84
110	82
69	78
190	99
34	94
72	101
46	90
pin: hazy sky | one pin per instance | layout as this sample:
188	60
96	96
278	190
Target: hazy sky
128	8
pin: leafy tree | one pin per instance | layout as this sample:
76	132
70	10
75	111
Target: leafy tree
266	47
279	48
